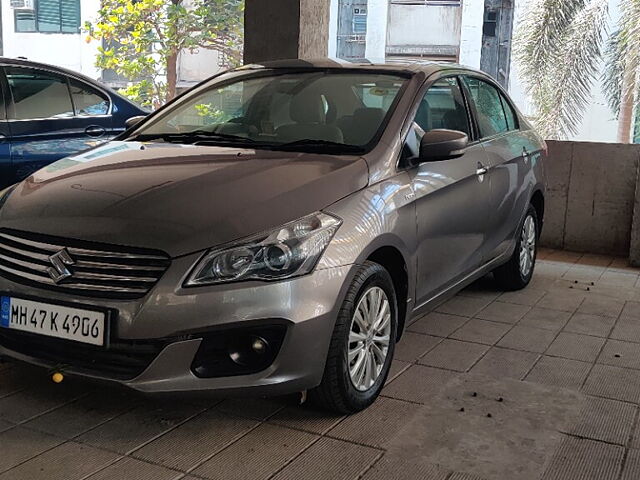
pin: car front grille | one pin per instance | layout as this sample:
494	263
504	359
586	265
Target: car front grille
97	270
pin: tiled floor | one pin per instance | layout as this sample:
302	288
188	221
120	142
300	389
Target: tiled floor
538	384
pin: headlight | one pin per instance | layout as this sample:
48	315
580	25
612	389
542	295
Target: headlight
285	252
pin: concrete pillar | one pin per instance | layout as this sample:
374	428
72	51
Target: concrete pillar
280	29
634	247
471	32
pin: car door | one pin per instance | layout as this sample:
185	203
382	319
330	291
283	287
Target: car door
43	121
509	150
5	139
451	196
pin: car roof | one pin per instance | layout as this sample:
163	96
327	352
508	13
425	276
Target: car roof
427	67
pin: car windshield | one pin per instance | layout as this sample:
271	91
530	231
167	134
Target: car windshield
341	112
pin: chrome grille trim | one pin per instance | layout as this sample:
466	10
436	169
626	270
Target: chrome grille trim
121	273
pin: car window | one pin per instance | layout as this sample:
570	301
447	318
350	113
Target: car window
489	112
441	107
38	94
512	118
87	100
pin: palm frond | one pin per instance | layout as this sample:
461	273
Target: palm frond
613	73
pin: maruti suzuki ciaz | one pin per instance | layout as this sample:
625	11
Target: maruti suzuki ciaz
273	230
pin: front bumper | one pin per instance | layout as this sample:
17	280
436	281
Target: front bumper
173	321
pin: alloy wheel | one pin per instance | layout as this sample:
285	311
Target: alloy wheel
369	338
527	246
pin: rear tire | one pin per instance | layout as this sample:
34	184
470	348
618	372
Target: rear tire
518	271
359	356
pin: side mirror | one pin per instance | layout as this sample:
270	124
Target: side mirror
134	121
437	145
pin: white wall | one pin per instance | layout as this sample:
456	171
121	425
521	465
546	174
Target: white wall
64	50
424	25
377	29
471	32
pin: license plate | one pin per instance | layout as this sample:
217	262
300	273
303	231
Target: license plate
69	323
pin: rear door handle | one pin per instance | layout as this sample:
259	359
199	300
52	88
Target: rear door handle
94	131
481	169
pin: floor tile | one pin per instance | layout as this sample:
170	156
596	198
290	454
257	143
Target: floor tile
545	318
503	312
559	372
631	470
621	354
529	296
397	367
505	363
132	469
631	311
590	325
394	468
566	301
481	331
256	408
306	418
413	345
418	384
377	425
528	339
69	461
195	441
600	305
605	420
34	401
618	279
330	459
614	382
581	459
626	329
575	346
463	306
438	324
595	260
257	455
20	444
454	355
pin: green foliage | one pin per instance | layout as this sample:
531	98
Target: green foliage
142	39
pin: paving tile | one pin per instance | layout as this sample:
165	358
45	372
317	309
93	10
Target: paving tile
132	469
621	263
464	476
595	260
631	311
505	363
84	414
131	430
377	425
413	345
20	444
397	367
257	455
529	296
614	382
618	278
481	331
621	354
37	400
600	305
564	256
580	459
549	270
631	470
627	329
594	325
195	441
18	378
454	355
545	318
418	384
463	306
306	418
438	324
559	372
256	408
69	461
605	420
330	459
582	273
528	339
575	346
395	468
503	312
6	425
566	301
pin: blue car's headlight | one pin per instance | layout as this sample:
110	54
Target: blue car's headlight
288	251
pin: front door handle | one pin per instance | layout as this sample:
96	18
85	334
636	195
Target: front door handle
481	169
95	131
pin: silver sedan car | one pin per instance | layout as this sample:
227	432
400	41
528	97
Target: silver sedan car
271	231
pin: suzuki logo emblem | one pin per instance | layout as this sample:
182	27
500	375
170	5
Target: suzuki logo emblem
59	270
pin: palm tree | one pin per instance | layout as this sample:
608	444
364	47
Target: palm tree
561	46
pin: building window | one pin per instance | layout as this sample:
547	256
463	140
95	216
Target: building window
50	16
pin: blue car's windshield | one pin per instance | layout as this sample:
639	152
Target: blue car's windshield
344	111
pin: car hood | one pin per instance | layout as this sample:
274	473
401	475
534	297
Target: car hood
177	198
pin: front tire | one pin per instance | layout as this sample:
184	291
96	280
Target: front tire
518	271
362	344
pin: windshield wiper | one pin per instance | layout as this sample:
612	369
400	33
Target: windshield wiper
194	136
315	145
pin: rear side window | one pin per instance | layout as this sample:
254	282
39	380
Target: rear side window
512	118
38	94
87	100
489	111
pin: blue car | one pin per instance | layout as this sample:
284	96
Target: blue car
47	113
